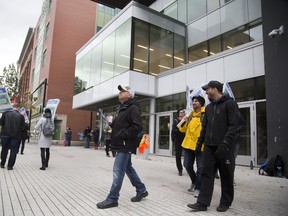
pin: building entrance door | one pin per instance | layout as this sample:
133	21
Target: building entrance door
247	151
163	131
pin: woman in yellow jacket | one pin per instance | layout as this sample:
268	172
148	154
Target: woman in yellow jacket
192	128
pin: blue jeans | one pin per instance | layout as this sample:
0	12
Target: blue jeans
13	145
189	159
122	165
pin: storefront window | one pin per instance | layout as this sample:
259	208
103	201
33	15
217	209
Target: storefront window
108	52
171	102
160	50
122	48
198	51
141	46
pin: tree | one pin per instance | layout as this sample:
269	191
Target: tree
10	81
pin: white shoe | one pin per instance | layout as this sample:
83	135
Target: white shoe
196	193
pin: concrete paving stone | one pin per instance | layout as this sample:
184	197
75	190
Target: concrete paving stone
78	178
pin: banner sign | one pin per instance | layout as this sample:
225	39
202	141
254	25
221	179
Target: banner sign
52	104
22	111
5	103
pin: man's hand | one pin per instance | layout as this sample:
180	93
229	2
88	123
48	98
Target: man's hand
221	151
198	149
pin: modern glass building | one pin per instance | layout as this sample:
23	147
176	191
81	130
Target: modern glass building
161	49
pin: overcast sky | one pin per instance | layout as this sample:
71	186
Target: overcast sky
16	16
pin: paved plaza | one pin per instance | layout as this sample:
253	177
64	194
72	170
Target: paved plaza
78	178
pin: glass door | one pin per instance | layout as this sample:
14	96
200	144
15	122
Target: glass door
163	131
247	149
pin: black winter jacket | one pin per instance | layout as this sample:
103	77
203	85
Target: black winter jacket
126	127
12	123
220	123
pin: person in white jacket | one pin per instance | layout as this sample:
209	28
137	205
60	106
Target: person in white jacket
44	142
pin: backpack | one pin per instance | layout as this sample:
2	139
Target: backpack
273	167
48	128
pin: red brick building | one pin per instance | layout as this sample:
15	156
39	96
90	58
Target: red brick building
64	26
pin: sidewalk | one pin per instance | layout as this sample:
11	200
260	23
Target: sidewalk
78	178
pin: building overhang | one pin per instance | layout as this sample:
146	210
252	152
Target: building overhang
122	3
106	94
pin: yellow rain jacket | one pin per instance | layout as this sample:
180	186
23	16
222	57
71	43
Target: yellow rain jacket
192	129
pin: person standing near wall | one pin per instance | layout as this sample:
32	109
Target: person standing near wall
68	136
177	138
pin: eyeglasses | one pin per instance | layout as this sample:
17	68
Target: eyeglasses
182	112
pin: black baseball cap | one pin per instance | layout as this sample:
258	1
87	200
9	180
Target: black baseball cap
213	84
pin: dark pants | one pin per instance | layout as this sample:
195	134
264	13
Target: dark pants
45	155
189	159
226	168
178	156
68	142
13	145
108	147
22	145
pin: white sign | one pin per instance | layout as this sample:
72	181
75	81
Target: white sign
52	104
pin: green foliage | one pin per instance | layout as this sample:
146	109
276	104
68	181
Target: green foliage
10	81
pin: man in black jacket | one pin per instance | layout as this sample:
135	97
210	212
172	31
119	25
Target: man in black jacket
177	139
219	130
12	123
125	129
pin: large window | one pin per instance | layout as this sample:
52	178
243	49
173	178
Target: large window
171	102
141	46
96	65
229	40
122	48
108	57
198	51
160	50
249	89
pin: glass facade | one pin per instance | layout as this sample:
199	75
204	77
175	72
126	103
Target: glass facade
154	50
241	35
171	102
187	11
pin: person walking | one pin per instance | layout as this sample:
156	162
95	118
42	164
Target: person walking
24	137
95	134
108	134
68	136
87	135
13	124
177	138
219	130
44	142
192	127
125	129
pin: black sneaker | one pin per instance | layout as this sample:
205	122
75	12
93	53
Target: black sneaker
2	166
10	168
106	204
197	207
222	208
43	168
139	197
180	173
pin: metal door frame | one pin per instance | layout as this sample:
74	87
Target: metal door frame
163	152
246	159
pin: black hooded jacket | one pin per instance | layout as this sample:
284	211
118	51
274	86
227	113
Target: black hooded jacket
12	123
220	123
126	127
